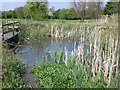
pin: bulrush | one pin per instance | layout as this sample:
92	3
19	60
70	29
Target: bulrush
96	51
102	50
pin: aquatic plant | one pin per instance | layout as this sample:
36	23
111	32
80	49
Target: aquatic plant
53	75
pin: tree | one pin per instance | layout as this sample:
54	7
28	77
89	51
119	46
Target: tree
3	14
51	12
62	13
14	14
56	14
71	13
7	14
110	8
20	12
37	10
26	12
94	9
81	7
67	13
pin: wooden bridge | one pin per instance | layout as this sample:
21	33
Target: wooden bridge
10	30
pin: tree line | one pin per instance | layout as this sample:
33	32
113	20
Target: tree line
78	10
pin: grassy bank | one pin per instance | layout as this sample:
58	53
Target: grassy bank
12	70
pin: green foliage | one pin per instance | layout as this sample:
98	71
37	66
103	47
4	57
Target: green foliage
111	7
20	12
34	10
67	14
13	69
9	14
38	10
34	31
73	74
53	75
59	75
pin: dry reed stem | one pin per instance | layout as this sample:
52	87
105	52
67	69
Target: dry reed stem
100	57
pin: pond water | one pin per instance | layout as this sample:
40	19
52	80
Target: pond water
30	54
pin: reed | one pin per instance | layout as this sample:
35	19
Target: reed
103	58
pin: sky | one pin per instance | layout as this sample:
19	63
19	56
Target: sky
6	5
12	5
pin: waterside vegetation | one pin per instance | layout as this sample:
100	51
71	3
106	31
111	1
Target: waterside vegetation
93	64
94	61
12	70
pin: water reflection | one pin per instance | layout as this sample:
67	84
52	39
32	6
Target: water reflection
37	50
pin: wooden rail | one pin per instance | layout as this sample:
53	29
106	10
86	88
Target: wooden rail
9	30
10	23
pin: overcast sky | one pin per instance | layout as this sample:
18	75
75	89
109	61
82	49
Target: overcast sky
12	5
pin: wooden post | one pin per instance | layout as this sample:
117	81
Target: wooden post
13	29
2	34
19	26
2	37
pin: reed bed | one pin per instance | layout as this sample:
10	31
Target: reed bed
102	59
95	61
100	52
56	30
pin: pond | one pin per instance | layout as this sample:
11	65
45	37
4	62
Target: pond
30	54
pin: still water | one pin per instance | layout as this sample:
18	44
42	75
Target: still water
30	54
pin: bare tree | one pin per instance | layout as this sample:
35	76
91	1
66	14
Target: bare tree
98	7
80	6
95	8
87	8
